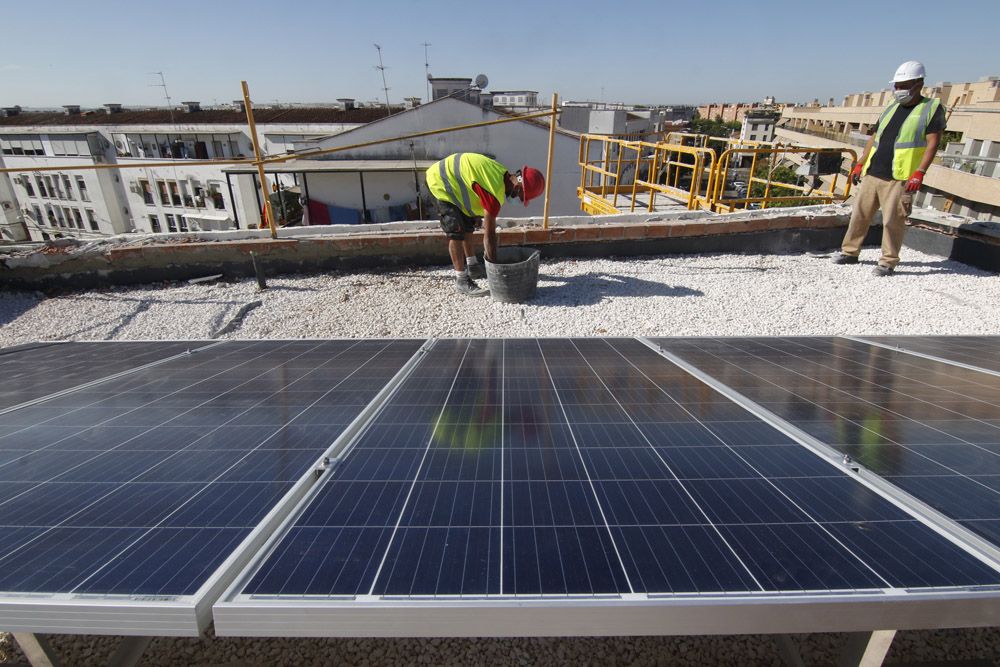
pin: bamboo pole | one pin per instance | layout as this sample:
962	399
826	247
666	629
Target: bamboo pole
271	222
548	163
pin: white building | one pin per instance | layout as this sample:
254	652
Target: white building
515	98
759	124
179	197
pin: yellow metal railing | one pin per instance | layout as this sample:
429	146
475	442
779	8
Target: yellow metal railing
631	170
619	175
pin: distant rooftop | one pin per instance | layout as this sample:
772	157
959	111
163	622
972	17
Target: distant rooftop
316	115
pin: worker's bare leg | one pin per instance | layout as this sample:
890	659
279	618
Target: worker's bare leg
490	240
467	247
458	249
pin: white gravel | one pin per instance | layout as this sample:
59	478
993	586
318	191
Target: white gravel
723	294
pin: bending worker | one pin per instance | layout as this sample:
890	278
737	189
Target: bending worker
894	162
469	186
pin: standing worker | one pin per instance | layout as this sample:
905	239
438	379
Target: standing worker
468	186
895	160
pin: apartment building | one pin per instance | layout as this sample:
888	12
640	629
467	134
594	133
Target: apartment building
92	203
758	125
965	176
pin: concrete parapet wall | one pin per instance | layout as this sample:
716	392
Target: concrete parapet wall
304	250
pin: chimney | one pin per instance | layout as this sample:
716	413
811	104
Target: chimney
112	107
240	106
72	109
191	107
346	102
11	111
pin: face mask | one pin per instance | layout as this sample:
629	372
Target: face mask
903	96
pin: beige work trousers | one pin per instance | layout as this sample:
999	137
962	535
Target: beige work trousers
889	196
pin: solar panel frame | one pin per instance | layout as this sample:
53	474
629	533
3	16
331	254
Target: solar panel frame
182	615
942	348
238	614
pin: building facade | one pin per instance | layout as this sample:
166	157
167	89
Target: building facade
84	202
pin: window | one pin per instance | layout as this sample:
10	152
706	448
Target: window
67	187
92	219
26	182
171	223
154	224
50	187
41	187
21	144
175	195
164	197
81	185
36	213
182	223
147	192
59	216
77	217
70	145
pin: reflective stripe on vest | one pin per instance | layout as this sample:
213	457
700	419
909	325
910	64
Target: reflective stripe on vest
911	142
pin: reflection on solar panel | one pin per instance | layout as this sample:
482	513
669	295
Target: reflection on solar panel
32	372
979	351
585	486
929	427
142	486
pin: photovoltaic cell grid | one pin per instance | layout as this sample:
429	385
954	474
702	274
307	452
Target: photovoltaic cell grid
143	485
980	351
931	428
588	467
33	372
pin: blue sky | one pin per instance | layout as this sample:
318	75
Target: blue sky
72	52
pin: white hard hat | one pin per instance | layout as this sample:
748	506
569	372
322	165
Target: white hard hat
909	71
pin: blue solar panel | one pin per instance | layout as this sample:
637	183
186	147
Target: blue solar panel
31	372
145	484
980	351
929	427
590	467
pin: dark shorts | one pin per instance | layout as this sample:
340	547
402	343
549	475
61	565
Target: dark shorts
455	223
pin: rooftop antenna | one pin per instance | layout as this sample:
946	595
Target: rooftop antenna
427	70
163	84
381	68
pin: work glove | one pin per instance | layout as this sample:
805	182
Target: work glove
856	173
916	180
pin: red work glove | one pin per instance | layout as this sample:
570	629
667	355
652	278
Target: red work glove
916	180
856	173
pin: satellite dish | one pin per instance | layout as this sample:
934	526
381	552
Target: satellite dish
482	81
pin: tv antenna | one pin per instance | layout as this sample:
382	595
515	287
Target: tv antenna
427	70
381	68
163	84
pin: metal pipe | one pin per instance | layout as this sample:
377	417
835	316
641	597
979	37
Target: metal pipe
271	222
548	164
232	199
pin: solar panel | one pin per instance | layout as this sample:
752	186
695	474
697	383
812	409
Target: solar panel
140	488
34	371
533	486
929	427
978	351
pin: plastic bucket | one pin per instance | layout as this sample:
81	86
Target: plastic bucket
514	276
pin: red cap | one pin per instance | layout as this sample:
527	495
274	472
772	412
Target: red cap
532	183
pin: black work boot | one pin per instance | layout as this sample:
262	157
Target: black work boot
882	270
467	286
843	258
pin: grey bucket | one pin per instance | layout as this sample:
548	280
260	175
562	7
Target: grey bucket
514	277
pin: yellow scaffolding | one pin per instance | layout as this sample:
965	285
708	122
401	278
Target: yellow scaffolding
687	169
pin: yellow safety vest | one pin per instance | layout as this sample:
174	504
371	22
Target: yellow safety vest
911	142
451	180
